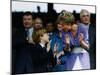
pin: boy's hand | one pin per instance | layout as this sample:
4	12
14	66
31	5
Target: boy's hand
48	46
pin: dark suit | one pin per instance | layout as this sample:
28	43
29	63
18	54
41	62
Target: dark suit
92	49
21	58
41	58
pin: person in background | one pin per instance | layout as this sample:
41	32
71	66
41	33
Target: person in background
50	29
22	45
38	24
92	45
89	31
84	25
41	53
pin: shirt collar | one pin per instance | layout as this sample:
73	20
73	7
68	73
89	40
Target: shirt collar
85	24
42	45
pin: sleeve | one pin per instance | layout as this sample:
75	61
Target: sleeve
51	58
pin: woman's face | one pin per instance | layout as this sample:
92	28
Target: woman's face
38	24
59	27
45	37
74	27
66	27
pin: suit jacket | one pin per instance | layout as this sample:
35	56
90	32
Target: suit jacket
92	43
21	57
41	58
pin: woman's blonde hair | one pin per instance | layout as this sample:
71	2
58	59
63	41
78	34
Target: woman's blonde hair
66	17
36	35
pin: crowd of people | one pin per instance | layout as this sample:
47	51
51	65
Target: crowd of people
61	46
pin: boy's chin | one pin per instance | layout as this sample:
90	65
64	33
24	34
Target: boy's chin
47	41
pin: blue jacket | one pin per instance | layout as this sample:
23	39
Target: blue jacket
56	39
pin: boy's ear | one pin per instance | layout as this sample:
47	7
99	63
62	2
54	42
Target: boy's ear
41	37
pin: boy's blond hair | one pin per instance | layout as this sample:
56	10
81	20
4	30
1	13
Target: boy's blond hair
36	35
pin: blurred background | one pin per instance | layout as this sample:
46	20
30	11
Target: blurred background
48	12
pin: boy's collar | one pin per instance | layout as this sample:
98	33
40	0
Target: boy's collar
42	44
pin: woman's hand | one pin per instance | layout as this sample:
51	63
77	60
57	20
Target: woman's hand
81	37
55	49
82	42
58	61
59	54
67	39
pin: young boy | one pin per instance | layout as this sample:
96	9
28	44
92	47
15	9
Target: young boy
42	54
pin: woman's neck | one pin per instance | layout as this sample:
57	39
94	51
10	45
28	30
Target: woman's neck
60	33
74	33
65	30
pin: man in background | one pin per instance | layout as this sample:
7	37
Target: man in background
23	43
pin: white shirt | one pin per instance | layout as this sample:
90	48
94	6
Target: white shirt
29	34
42	45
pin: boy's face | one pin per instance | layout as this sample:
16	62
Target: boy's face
27	21
66	27
45	37
74	27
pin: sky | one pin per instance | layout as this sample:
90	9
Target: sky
32	6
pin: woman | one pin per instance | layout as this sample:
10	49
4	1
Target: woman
79	57
57	47
58	43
